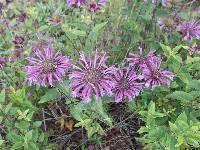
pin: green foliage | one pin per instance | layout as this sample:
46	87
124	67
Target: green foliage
91	116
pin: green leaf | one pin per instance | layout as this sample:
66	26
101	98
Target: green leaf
193	142
37	124
1	142
23	125
167	50
50	95
184	75
181	117
78	32
97	105
181	95
15	138
32	146
2	96
151	108
17	145
92	38
28	135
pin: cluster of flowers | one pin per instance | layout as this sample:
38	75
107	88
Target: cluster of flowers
93	6
91	76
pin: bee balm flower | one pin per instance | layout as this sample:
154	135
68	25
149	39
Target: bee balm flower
46	67
127	84
91	77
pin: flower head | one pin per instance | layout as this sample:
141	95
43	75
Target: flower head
91	76
193	49
95	6
155	76
189	30
2	62
46	67
138	60
128	84
22	17
19	41
70	3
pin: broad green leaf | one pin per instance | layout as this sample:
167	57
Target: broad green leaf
184	75
17	145
167	50
78	32
1	142
28	135
37	124
92	38
14	137
32	146
181	95
181	117
50	95
151	108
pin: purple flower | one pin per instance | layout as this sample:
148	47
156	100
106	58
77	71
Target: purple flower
140	60
94	6
154	76
22	17
189	30
127	84
91	76
19	41
193	49
2	62
70	3
46	67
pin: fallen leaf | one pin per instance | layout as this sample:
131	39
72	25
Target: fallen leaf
61	121
69	124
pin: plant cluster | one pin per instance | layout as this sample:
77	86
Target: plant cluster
74	73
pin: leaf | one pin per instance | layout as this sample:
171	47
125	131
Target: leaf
2	96
184	75
50	95
97	105
15	138
194	84
61	121
69	124
37	124
167	50
181	95
1	142
92	38
181	117
193	142
151	108
28	135
78	32
32	146
17	145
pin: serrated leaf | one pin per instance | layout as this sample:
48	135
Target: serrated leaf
92	38
15	138
181	95
32	146
17	145
50	95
